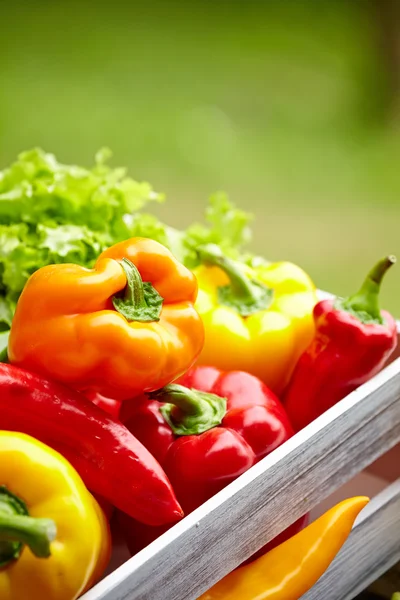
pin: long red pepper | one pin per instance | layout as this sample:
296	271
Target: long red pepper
353	340
111	406
110	460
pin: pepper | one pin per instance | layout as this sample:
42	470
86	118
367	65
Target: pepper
106	507
110	460
125	327
262	318
205	431
291	569
112	407
54	539
353	340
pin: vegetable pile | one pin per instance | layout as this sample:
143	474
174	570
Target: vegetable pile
54	213
145	368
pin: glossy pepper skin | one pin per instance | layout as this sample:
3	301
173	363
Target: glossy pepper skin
54	539
291	569
262	318
125	327
353	340
110	460
205	432
110	406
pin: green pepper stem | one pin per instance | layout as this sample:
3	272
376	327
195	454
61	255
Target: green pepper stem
134	292
35	533
247	296
188	411
140	301
17	528
241	285
366	300
190	402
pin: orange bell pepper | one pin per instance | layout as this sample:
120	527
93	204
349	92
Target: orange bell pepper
291	569
125	327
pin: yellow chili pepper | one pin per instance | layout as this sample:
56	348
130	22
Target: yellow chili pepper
256	320
291	569
54	538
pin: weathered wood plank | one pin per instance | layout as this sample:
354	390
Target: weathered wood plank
227	529
371	549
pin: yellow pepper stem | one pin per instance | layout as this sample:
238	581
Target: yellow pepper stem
17	529
246	296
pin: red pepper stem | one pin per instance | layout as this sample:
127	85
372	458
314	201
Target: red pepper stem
189	411
17	528
188	401
140	300
366	300
247	296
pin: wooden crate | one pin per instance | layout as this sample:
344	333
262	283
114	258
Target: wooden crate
360	434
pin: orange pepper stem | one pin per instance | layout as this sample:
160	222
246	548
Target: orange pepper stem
246	296
140	300
18	528
365	303
188	411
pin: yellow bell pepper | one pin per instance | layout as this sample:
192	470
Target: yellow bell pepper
257	320
291	569
54	538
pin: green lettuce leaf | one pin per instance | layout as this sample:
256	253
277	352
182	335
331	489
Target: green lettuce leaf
226	226
4	346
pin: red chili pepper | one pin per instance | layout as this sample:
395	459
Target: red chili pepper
353	340
110	406
205	435
110	460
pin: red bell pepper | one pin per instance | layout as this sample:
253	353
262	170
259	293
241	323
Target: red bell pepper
353	340
205	434
110	460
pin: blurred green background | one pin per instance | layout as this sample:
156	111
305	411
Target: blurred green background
289	106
